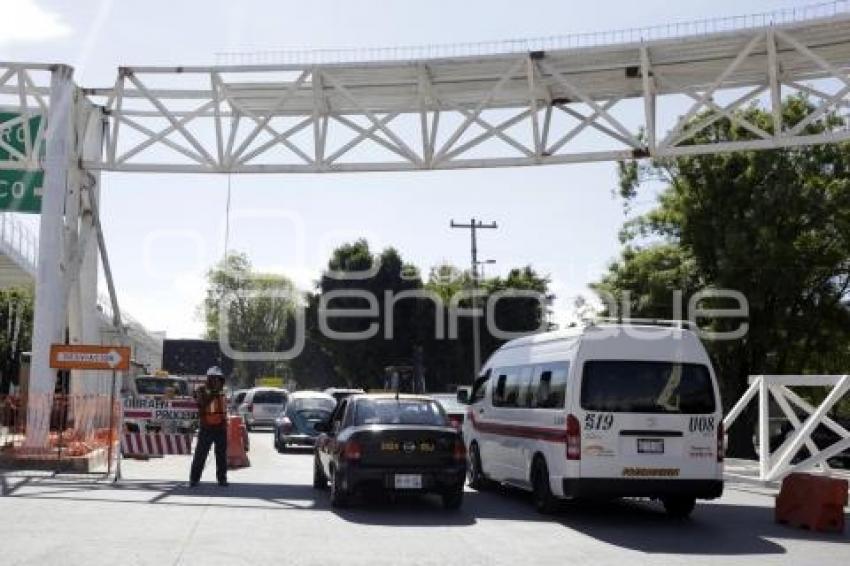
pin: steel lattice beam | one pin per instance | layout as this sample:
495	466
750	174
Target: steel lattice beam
545	107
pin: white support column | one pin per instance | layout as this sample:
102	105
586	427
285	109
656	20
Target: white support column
764	428
50	318
90	321
84	324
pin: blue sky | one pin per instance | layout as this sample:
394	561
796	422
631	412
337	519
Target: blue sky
164	231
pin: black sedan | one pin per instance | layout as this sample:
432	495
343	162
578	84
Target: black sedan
392	443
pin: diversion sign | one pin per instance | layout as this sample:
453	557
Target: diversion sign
153	409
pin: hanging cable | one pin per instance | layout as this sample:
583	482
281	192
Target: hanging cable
227	219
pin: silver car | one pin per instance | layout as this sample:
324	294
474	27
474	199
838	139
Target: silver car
262	405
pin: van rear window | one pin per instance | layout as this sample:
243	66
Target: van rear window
646	387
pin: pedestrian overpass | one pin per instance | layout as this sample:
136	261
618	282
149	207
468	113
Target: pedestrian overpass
638	93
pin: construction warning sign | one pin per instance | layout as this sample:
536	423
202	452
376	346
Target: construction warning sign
79	356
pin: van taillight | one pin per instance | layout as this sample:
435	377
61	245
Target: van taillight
351	451
250	407
573	438
721	442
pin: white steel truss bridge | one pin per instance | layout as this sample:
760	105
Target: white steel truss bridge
635	98
643	94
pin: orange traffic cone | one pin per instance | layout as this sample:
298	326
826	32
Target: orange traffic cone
236	456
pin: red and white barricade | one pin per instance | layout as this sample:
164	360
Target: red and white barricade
155	443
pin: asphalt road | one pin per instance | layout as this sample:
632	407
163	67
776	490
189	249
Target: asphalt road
271	514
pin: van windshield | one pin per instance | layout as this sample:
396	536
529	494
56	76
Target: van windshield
646	387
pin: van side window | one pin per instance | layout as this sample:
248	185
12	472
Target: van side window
550	385
479	388
524	393
500	390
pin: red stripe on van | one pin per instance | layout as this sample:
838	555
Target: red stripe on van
520	431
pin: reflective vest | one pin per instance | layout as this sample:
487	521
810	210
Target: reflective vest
211	409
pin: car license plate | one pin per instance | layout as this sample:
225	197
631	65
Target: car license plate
650	446
408	481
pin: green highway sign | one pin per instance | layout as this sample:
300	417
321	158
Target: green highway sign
20	190
12	133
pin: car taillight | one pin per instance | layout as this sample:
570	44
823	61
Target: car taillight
721	442
351	450
286	424
459	452
456	421
573	438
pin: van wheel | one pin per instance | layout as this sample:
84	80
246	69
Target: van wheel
679	507
544	501
474	473
320	480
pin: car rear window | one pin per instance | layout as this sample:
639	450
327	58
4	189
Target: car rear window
647	387
313	403
399	411
269	397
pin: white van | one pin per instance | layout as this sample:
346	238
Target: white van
606	411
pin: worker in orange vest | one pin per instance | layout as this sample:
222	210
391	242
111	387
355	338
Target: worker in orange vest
212	413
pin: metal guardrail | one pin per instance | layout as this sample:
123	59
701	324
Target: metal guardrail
568	41
18	242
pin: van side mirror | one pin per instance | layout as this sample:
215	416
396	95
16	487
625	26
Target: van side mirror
463	396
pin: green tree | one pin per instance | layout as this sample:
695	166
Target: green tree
361	362
451	361
259	309
16	311
774	225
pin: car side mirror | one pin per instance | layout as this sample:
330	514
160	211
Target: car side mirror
463	396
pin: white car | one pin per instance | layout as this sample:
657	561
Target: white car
262	405
605	411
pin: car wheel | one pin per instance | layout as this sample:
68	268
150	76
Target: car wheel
679	507
544	501
320	480
453	498
339	498
475	474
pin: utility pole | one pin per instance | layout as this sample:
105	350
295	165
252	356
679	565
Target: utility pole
473	226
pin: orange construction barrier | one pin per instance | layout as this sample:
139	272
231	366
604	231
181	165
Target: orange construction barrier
236	456
812	502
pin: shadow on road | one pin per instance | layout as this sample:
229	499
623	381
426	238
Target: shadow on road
715	529
404	510
239	495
